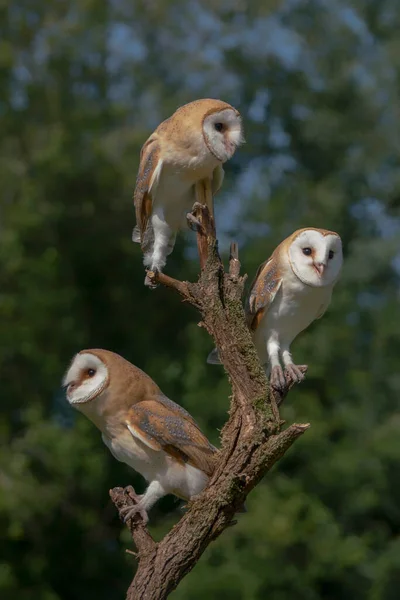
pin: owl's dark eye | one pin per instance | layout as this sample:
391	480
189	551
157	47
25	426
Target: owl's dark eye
219	126
331	254
91	372
307	251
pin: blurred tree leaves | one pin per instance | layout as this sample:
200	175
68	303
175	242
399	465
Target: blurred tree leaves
83	85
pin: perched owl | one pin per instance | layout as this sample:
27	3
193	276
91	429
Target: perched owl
141	426
290	290
186	149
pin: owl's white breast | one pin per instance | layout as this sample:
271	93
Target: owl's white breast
191	160
175	191
293	309
137	455
182	166
183	480
174	197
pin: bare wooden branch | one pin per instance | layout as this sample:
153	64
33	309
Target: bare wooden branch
251	441
234	264
142	538
203	215
179	286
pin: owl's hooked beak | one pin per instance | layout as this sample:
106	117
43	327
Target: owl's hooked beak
230	147
69	387
320	268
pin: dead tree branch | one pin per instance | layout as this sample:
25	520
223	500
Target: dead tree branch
251	442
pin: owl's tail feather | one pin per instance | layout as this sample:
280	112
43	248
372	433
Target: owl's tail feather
213	358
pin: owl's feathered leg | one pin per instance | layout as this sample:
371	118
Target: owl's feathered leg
162	235
164	241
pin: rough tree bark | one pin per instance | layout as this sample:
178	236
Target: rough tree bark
251	441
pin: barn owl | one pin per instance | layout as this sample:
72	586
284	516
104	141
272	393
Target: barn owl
140	426
290	290
184	152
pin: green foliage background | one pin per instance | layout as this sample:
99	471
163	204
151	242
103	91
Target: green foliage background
82	86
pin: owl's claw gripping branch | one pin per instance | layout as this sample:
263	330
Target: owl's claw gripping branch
295	372
278	380
129	512
280	394
150	280
194	223
126	498
194	218
156	277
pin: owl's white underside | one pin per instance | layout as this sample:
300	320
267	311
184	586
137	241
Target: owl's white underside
173	196
164	474
295	306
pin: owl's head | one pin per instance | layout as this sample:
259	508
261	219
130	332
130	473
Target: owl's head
97	379
315	256
86	378
222	130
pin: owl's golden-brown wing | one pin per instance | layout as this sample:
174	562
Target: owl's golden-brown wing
146	184
163	425
263	290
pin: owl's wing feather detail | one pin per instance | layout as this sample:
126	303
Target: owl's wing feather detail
264	288
138	433
163	425
176	408
146	184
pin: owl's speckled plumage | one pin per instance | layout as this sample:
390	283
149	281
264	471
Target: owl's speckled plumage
141	426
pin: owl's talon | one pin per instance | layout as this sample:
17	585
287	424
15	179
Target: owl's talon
197	206
193	223
131	511
149	279
278	380
295	373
